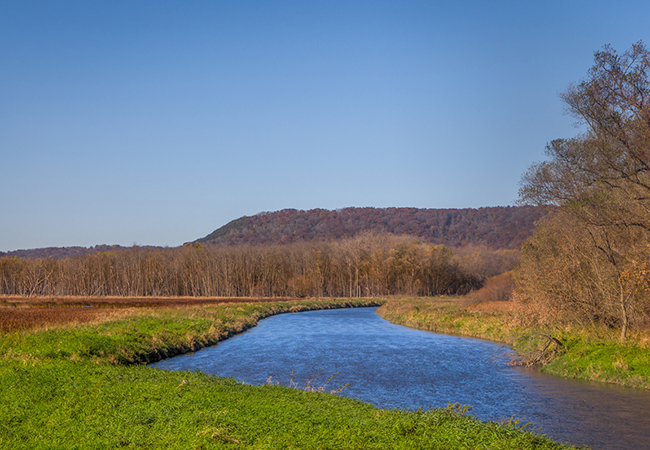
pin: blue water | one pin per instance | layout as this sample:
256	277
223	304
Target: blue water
392	366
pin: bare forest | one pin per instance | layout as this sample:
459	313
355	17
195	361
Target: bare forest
366	265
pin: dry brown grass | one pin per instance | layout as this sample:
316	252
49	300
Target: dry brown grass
124	302
29	318
24	313
498	306
496	289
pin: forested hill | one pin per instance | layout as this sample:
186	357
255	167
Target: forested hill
66	252
495	227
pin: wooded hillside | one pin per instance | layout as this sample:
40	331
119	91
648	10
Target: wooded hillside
496	227
351	252
68	252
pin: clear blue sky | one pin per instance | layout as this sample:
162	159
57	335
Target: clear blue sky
156	122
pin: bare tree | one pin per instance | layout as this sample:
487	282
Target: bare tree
602	179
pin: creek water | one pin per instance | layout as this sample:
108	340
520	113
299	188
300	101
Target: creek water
391	366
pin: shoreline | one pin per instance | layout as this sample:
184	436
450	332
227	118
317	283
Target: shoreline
86	383
585	354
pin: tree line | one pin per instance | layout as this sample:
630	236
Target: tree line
363	266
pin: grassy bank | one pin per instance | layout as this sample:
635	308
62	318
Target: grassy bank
593	354
80	385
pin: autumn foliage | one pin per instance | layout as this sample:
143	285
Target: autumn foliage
496	289
495	227
363	266
587	261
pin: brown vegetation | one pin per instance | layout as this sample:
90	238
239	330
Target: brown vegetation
22	313
585	263
17	302
501	306
28	318
364	266
67	252
495	227
497	289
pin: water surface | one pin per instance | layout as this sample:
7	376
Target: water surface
392	366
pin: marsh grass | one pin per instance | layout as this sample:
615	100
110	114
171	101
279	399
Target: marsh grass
25	313
81	385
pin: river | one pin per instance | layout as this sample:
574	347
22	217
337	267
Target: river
391	366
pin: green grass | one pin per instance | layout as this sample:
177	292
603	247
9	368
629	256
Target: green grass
148	335
605	360
82	387
594	354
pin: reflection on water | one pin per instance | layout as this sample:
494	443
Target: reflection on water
391	366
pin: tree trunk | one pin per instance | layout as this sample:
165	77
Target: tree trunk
623	311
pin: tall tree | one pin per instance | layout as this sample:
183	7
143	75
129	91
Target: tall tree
602	179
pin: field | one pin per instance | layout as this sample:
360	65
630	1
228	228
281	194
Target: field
78	381
594	353
24	313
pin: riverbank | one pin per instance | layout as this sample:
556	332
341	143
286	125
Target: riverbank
82	385
594	354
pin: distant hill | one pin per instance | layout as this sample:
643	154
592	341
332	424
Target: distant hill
65	252
496	227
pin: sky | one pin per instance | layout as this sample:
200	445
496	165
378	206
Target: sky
157	122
